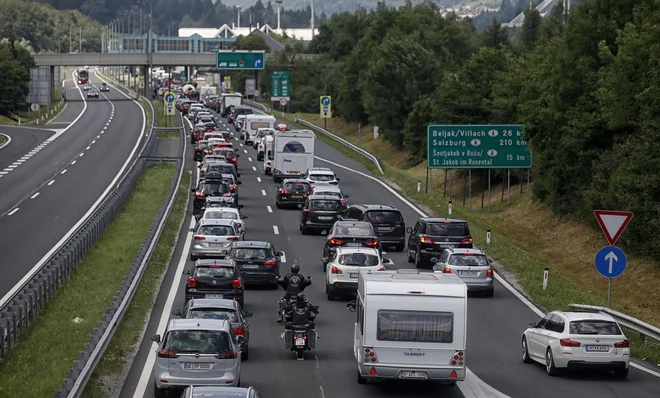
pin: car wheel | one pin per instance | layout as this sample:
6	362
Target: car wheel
550	363
490	292
304	230
193	258
400	248
410	258
621	373
159	393
360	379
525	353
245	354
418	260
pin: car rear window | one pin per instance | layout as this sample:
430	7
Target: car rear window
197	341
296	186
211	188
324	205
225	169
321	177
476	260
358	260
418	326
216	230
452	229
226	136
215	272
224	314
595	327
224	215
383	217
251	253
354	230
331	193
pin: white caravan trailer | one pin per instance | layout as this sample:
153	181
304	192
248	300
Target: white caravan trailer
294	153
255	122
229	100
410	325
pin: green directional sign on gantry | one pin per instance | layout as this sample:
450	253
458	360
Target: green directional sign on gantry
477	147
240	60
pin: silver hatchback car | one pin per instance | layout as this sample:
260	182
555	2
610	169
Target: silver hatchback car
213	237
194	352
220	392
471	265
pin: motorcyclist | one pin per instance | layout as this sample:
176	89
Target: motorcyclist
293	283
300	312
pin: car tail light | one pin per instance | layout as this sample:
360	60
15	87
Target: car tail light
336	270
622	344
167	354
489	273
239	331
227	355
370	355
466	241
283	192
199	237
209	152
234	188
233	238
446	271
309	211
343	202
308	192
271	262
335	242
200	195
227	195
400	223
458	359
192	282
236	284
426	239
372	243
569	343
381	269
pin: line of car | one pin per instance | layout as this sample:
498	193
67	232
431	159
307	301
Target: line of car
93	91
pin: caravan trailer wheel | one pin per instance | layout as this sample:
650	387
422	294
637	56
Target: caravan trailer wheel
360	379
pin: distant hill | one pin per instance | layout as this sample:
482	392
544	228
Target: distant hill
335	6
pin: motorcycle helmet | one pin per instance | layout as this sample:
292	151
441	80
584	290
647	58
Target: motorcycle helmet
295	268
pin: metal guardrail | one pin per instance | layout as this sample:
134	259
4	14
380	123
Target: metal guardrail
644	329
340	140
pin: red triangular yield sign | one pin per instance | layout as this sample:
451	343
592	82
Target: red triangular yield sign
613	223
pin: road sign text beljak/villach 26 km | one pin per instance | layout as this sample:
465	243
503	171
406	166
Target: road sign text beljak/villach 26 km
477	147
279	85
240	60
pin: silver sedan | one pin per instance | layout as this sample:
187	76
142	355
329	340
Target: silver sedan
213	237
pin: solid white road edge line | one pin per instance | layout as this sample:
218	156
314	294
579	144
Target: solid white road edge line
64	130
92	209
7	140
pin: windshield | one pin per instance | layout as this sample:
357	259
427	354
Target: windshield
358	260
296	186
214	272
197	341
217	167
384	217
225	215
453	229
596	327
214	188
468	261
225	314
216	230
321	177
325	205
251	254
355	230
83	74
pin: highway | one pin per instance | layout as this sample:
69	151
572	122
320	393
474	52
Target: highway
495	325
56	174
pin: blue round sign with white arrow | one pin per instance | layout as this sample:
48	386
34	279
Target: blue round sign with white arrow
169	98
610	261
325	101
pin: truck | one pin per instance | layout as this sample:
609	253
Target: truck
228	101
207	91
293	153
255	122
410	325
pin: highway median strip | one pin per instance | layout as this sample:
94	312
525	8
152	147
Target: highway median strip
37	364
165	121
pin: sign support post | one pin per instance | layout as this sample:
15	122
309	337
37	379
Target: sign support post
611	261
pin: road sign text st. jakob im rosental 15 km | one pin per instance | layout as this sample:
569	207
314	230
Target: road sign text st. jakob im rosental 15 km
477	147
240	60
279	85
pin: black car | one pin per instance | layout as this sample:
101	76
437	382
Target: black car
431	236
220	167
259	262
292	192
350	234
201	149
387	221
215	279
319	213
209	187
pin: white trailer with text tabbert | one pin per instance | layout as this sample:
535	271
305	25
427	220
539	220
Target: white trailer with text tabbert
294	153
410	326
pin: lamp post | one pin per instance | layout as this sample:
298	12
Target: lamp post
238	11
279	6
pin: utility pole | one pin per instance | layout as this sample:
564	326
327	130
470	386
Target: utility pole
325	92
312	19
239	16
151	48
279	6
80	40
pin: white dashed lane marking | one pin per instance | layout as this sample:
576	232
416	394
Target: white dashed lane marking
254	169
263	192
245	150
51	182
258	179
250	159
276	230
63	171
34	196
74	162
270	209
11	213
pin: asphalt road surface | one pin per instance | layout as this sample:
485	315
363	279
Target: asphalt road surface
495	324
55	176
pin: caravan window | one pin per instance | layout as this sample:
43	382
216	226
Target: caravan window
259	125
270	155
418	326
360	316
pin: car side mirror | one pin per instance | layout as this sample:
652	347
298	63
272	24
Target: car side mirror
155	338
244	217
409	230
532	325
240	206
239	182
351	306
434	259
193	189
280	254
325	259
338	179
176	312
248	314
387	261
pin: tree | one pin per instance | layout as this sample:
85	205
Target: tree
495	35
530	32
14	79
253	42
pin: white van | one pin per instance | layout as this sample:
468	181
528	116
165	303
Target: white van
255	122
229	100
269	154
294	153
410	325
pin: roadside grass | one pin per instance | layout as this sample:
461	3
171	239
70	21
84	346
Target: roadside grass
165	121
129	333
39	361
526	237
2	139
30	118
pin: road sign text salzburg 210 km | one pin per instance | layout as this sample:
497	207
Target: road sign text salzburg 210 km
477	147
240	60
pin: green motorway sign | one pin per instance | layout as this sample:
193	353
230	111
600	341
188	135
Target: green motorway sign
240	60
279	85
477	147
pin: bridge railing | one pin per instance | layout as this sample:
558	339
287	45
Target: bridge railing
644	329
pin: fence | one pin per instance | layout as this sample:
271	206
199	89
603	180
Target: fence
340	140
641	327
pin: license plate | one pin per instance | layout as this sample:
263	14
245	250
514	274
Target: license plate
384	229
293	172
326	218
354	244
300	341
598	348
214	296
413	375
297	196
250	266
197	366
468	273
353	275
217	244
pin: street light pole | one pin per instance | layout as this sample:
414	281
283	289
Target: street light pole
239	16
151	47
325	92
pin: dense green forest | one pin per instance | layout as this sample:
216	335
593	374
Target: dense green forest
585	85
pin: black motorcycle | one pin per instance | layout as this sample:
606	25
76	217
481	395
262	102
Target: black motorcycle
301	338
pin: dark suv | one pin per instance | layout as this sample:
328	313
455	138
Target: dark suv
388	223
292	192
209	187
259	262
431	236
218	279
239	110
320	212
349	234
